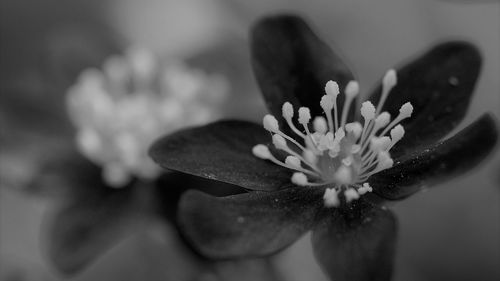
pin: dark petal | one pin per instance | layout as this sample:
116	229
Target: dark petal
221	151
356	244
438	162
254	224
292	64
439	85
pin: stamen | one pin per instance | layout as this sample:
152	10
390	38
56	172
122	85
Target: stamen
332	89
326	103
388	82
396	135
351	91
287	111
368	113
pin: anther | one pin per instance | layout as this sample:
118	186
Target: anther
332	88
331	198
382	120
287	110
299	179
270	123
406	110
351	194
304	115
397	134
367	110
293	162
279	142
320	125
261	151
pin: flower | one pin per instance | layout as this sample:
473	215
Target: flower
353	238
337	154
110	187
119	111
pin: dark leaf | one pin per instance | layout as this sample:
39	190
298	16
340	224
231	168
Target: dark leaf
253	224
356	244
438	162
221	151
93	216
86	227
292	64
439	85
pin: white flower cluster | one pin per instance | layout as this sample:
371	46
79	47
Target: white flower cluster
120	110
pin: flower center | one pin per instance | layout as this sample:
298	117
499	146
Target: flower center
330	151
122	109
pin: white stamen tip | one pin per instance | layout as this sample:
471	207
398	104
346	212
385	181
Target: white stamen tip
351	194
304	115
383	119
261	151
354	128
397	133
343	175
390	78
367	110
380	143
406	110
270	123
352	89
365	188
384	160
327	102
332	88
293	162
331	198
287	110
299	179
279	142
320	125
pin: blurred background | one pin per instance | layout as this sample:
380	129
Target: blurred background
449	233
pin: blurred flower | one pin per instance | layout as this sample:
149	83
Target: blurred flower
354	241
119	111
